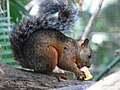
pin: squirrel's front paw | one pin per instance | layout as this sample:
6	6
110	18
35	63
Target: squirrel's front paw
81	75
86	74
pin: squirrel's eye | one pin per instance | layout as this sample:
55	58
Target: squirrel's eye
89	55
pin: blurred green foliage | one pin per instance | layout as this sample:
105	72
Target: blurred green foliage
17	9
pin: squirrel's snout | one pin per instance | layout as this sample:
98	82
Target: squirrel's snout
88	64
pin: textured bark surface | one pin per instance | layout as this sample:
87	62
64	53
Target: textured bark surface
15	79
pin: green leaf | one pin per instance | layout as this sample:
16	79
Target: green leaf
4	44
9	60
5	24
2	37
17	9
4	18
6	52
4	30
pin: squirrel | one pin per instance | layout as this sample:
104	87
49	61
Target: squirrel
39	44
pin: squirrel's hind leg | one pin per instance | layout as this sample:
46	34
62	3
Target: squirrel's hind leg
47	60
53	54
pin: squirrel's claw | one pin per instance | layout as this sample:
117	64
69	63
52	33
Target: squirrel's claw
60	76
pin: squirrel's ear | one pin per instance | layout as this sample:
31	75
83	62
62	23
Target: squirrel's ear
85	42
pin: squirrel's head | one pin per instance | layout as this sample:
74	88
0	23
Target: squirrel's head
85	54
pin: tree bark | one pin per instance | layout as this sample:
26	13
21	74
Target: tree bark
15	79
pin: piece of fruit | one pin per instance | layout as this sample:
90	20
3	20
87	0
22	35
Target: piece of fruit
87	73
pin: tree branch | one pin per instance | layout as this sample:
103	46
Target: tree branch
91	21
15	79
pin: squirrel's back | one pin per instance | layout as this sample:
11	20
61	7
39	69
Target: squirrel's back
37	49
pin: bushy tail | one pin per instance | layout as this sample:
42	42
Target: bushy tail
17	37
56	14
47	20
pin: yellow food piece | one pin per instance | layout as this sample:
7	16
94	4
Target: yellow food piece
87	73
